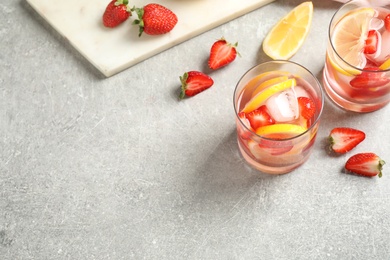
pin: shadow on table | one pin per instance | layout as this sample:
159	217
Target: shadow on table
225	175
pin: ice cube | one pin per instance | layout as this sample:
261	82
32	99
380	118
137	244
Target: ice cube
376	24
300	92
385	48
283	107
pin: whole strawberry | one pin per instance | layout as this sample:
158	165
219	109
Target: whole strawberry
194	82
222	53
365	164
155	19
117	11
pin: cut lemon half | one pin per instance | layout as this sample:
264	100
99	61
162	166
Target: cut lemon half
385	65
268	83
261	97
288	130
349	36
288	35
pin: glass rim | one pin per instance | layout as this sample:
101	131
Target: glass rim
333	47
321	92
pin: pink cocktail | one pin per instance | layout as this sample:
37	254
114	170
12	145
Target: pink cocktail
357	66
278	106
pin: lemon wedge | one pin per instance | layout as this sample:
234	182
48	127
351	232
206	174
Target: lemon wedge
288	35
385	65
261	97
288	130
268	83
349	37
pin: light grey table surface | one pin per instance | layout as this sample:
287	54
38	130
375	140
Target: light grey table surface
118	168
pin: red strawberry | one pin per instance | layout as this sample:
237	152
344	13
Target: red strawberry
194	82
155	19
260	117
371	77
365	164
387	22
242	131
307	107
117	11
221	54
344	139
371	42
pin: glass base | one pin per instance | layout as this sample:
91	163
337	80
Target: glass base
346	104
274	169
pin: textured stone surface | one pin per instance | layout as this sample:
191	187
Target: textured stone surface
118	168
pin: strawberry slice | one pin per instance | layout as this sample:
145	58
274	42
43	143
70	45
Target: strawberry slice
242	131
371	44
194	82
387	22
344	139
365	164
276	147
222	53
260	117
307	107
370	78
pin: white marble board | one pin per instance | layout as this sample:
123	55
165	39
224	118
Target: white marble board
113	50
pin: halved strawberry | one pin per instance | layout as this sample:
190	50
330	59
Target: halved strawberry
242	131
260	117
387	22
307	107
222	53
194	82
365	164
344	139
371	44
371	77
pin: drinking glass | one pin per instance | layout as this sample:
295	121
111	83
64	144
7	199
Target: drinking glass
356	76
286	141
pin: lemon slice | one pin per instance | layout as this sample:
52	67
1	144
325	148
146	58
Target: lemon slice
385	65
257	100
268	83
349	37
289	130
288	35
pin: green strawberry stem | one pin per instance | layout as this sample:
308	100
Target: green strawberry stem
124	2
380	166
183	80
139	21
